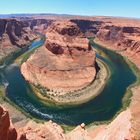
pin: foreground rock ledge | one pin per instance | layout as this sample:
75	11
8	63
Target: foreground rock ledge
7	131
65	63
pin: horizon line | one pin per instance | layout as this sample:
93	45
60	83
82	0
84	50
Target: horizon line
60	14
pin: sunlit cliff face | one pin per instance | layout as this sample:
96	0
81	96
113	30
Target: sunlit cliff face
66	58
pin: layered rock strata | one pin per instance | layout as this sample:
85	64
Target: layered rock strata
65	62
13	35
47	131
16	33
126	40
52	131
122	38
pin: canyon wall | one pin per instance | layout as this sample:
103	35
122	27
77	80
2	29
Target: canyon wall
13	35
17	33
32	130
45	131
122	38
88	27
61	58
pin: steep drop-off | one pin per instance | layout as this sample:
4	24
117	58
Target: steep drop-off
122	38
13	35
16	33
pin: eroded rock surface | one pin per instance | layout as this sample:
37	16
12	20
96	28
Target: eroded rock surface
7	131
65	62
13	35
124	38
47	131
120	34
16	33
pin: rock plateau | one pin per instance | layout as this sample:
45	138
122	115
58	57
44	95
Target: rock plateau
66	61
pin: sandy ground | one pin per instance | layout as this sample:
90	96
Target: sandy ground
118	129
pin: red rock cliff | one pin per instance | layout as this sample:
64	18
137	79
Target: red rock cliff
7	132
126	38
65	62
18	32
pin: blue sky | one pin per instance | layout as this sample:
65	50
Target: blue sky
124	8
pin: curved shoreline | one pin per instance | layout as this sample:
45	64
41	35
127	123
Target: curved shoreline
81	96
66	127
128	95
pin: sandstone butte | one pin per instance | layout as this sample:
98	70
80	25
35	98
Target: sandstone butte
66	62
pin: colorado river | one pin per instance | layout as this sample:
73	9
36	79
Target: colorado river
102	108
